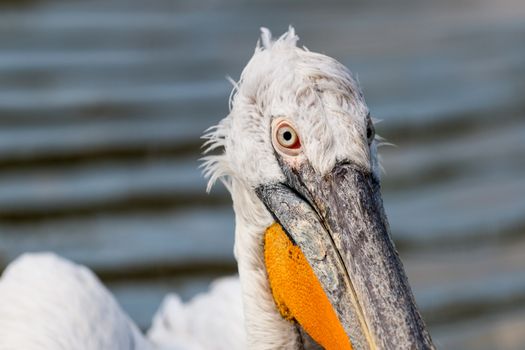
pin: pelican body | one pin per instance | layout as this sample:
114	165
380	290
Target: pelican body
317	265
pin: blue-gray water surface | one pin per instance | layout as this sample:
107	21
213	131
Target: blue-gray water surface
102	104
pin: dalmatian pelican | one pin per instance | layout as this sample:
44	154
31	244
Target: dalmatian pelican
317	265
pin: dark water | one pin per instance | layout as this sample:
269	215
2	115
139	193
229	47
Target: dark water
102	104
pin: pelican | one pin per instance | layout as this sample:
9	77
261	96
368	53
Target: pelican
317	265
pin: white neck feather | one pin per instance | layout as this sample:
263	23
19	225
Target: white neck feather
265	327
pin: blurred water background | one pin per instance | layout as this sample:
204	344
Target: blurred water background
102	104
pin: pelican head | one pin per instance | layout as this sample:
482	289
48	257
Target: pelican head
299	157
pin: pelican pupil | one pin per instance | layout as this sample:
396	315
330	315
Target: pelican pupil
287	135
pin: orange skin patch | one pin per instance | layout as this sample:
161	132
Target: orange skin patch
298	293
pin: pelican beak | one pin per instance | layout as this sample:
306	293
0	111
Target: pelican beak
338	223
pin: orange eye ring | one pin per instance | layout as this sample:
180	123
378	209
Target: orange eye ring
285	138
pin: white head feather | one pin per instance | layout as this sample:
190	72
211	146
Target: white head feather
314	91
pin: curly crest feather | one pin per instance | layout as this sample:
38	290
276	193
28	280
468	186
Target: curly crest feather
283	79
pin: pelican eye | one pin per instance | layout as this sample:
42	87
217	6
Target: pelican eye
285	137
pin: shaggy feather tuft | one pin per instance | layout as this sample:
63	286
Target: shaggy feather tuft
315	91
